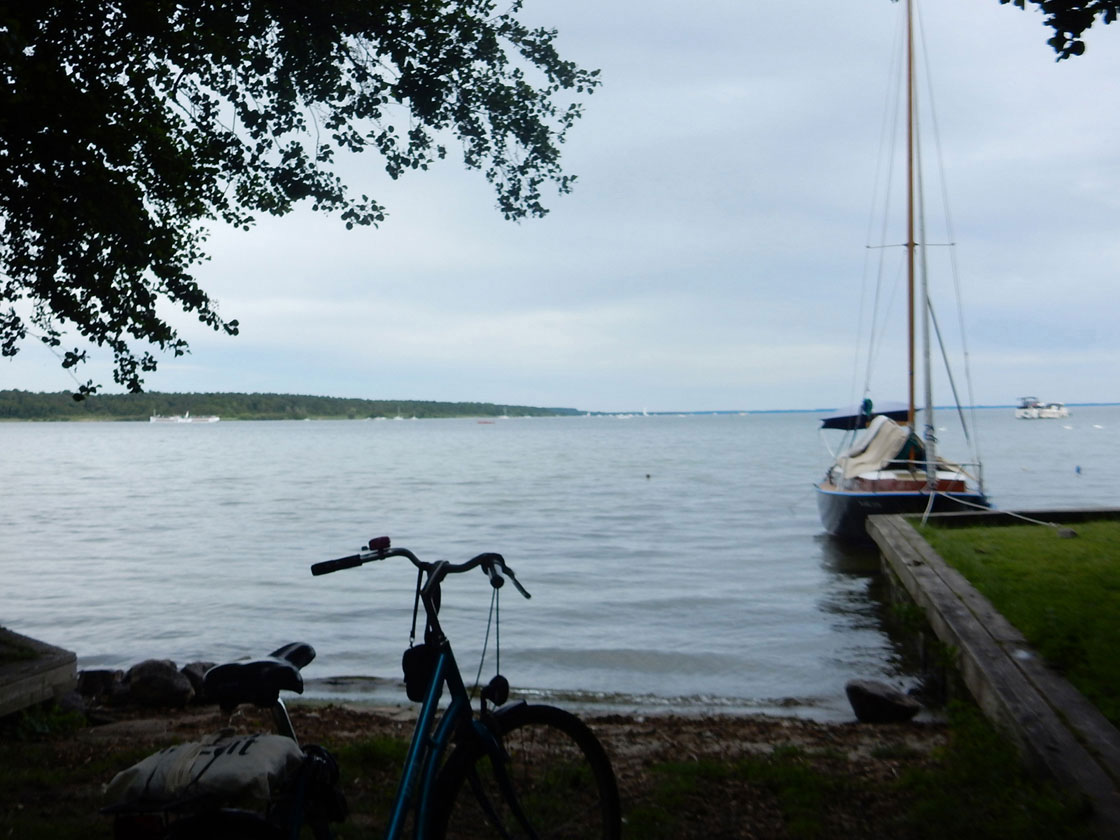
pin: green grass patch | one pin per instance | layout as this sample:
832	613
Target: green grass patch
975	788
718	790
979	790
47	793
1063	594
50	787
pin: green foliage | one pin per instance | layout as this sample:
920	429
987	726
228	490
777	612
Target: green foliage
1069	19
23	405
980	790
41	722
801	790
974	789
1063	595
370	769
126	128
50	787
46	794
787	774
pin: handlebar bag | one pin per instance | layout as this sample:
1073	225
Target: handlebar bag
242	771
418	663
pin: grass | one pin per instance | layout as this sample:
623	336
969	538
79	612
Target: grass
50	787
684	790
979	789
47	791
1063	594
975	788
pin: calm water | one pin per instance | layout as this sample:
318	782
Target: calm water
672	560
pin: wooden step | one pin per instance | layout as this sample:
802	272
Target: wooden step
32	672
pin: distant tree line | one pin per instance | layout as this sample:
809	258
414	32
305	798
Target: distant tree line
25	405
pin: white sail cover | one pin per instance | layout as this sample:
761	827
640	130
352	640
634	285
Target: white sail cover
876	446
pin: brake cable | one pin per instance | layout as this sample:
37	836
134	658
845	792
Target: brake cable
494	618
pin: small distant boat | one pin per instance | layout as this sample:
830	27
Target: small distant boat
1032	408
184	418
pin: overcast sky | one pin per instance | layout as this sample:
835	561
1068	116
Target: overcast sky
713	253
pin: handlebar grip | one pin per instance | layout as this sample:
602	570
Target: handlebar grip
328	566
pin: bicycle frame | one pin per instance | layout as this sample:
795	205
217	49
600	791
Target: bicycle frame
428	747
431	738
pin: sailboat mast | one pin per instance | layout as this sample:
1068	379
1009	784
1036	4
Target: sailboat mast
910	244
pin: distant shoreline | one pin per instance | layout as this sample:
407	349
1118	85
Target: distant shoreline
26	406
61	406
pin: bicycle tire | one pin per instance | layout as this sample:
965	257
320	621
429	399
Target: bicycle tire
562	780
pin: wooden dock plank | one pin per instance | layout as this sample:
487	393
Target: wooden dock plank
1057	729
37	673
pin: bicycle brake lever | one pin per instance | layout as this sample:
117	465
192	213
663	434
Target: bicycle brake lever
515	581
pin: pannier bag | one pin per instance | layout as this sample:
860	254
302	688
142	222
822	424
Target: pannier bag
240	771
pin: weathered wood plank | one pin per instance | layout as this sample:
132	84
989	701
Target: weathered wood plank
1091	727
48	673
1058	731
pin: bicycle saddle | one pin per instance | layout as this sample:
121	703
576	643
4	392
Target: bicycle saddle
259	681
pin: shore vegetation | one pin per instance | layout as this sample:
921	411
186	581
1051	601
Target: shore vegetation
25	405
679	778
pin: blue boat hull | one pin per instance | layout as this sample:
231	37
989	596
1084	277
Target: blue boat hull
844	512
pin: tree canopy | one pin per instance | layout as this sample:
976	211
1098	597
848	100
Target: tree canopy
127	127
1069	19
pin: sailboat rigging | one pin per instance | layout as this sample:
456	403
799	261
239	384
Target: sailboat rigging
886	467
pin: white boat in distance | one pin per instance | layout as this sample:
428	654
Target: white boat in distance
185	418
1032	408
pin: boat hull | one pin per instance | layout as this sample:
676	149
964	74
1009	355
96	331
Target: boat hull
844	512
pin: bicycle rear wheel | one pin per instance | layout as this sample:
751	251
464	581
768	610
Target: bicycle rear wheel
560	783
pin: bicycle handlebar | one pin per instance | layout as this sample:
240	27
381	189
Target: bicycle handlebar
328	566
494	565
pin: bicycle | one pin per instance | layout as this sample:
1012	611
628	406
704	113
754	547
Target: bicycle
514	770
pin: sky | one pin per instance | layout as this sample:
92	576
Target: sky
713	255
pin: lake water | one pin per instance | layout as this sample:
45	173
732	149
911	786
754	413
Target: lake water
673	561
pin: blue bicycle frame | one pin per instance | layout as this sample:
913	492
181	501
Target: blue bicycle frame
426	751
431	738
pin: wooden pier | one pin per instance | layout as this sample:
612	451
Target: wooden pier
1058	731
32	672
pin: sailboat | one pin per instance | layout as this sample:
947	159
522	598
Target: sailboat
885	466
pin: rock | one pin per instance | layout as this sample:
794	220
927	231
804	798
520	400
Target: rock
157	682
98	683
195	672
876	702
73	701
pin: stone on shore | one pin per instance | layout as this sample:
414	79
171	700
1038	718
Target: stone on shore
195	671
876	702
158	683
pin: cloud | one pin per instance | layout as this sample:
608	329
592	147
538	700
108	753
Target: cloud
713	251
